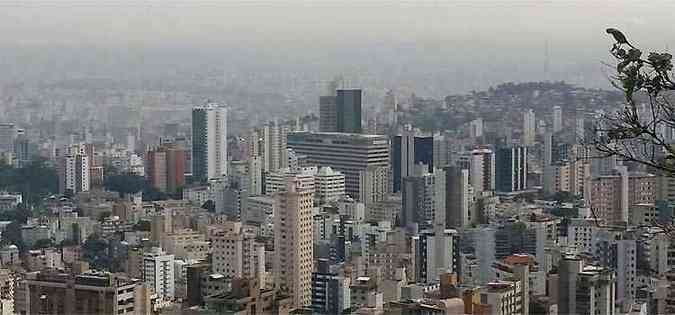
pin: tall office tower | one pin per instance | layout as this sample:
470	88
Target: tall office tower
209	142
330	291
580	129
558	177
612	196
293	247
277	181
374	184
529	128
476	128
164	168
585	289
423	199
440	156
548	149
52	292
482	170
158	273
391	108
458	208
272	146
160	224
73	169
348	108
349	154
327	114
255	176
557	119
480	243
511	165
329	186
230	199
237	254
22	149
7	136
438	252
254	141
407	151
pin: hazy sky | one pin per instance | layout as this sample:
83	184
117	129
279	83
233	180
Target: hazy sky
116	20
485	32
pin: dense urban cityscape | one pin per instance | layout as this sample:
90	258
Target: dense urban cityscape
338	196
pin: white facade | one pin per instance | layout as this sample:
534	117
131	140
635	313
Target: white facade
329	186
276	181
158	273
482	172
215	130
529	128
557	119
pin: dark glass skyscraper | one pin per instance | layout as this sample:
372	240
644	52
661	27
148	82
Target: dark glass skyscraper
511	165
348	111
407	151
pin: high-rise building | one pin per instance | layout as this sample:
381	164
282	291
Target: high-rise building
237	254
164	168
293	246
438	253
476	128
423	200
481	166
529	128
349	154
557	119
611	196
407	151
558	177
580	129
209	142
87	293
327	114
7	136
22	149
73	170
348	109
330	291
511	166
585	289
374	184
329	185
458	196
417	196
158	273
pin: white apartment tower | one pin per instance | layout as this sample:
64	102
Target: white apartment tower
529	128
329	185
557	119
293	247
209	141
158	273
74	169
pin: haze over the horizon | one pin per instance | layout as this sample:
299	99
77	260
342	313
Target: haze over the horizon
434	46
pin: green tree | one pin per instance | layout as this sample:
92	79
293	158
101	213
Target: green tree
34	181
142	225
633	132
12	236
95	251
124	183
43	243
